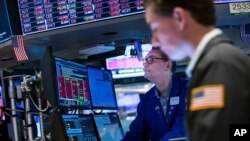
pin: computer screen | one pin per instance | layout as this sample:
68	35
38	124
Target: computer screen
101	89
1	97
228	1
43	15
127	65
72	84
109	126
1	104
5	28
80	127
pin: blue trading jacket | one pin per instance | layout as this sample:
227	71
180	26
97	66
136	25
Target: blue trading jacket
150	122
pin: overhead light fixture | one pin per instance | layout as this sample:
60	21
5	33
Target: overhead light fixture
96	49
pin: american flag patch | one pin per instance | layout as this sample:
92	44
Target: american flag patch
19	48
245	33
206	97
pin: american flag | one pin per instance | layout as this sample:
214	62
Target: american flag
19	49
207	97
245	33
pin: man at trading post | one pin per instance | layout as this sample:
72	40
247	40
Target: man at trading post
160	113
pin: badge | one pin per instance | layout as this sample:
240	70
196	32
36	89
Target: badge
174	100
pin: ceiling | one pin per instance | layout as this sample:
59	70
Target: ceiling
68	41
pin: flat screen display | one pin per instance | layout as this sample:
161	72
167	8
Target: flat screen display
80	127
5	30
101	89
109	127
72	84
229	1
42	15
126	65
1	97
2	117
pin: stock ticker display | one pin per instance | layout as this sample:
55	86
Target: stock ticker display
43	15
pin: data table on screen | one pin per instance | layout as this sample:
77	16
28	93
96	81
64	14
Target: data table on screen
42	15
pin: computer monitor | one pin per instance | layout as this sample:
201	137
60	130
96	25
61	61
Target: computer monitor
1	97
5	28
109	126
101	89
43	15
80	127
128	65
72	84
48	77
1	104
229	1
54	129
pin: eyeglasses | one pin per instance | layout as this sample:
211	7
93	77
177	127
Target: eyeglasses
150	60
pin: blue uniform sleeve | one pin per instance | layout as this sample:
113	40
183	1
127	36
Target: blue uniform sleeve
137	128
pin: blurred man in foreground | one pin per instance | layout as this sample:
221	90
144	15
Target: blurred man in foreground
219	93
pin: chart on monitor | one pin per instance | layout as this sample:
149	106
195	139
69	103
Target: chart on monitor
72	84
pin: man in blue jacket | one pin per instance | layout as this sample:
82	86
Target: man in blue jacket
160	113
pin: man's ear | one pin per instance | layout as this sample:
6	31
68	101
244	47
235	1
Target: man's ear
169	65
179	16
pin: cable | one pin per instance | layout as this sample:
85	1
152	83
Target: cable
40	110
8	109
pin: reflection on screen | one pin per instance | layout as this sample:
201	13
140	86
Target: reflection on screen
73	87
79	127
101	88
109	127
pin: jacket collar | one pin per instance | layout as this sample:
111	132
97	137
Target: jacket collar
200	48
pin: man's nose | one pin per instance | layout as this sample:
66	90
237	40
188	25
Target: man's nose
145	64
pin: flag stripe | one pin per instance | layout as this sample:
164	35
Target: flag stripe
19	48
245	37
